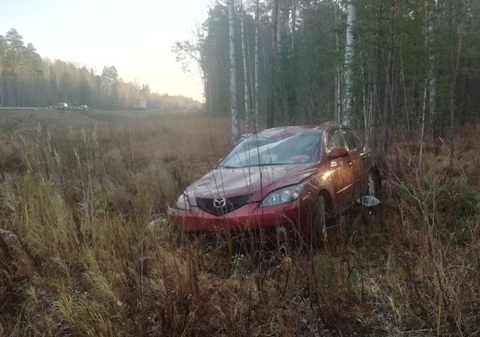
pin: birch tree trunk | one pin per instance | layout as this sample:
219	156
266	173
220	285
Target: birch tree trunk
349	54
337	104
256	126
233	79
271	98
293	23
388	107
248	110
426	85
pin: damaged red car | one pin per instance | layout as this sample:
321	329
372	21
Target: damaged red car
289	180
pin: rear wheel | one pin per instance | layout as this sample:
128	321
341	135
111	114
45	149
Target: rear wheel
374	182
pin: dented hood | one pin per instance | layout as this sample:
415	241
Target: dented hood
255	181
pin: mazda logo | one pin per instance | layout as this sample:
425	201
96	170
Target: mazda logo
219	202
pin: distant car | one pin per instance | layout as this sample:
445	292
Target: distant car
83	107
288	180
61	106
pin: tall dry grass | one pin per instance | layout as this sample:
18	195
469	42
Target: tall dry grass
85	263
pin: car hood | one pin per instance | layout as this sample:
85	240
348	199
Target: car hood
255	181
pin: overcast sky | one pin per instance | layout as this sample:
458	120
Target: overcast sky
135	36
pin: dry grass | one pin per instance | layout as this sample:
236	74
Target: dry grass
85	263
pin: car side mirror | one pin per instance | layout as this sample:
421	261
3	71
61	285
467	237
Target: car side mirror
337	152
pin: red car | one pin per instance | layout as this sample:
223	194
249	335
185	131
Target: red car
282	180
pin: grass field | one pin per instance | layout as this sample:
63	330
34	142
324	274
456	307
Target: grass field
77	258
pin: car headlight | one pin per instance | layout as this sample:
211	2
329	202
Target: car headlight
283	195
182	202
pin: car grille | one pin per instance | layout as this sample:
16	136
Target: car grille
231	204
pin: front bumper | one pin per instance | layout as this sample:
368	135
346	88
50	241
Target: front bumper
248	217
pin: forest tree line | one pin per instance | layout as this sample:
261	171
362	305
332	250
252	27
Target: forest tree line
379	65
28	80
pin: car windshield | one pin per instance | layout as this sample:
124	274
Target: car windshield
261	151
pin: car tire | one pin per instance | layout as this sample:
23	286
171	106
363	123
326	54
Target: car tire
374	182
318	222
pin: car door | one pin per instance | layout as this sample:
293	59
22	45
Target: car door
355	150
341	172
366	163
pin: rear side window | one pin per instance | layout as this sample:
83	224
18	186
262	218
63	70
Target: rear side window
352	140
336	139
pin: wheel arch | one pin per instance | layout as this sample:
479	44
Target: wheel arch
328	198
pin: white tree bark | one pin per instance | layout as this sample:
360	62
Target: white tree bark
349	54
273	67
256	124
293	24
233	78
337	105
248	110
430	82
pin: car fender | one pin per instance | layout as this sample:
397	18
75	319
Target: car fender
322	184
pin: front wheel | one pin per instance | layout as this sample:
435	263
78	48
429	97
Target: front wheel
318	222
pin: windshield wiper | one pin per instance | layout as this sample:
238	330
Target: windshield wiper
267	164
254	165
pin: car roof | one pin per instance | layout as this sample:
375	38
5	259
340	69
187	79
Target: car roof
285	131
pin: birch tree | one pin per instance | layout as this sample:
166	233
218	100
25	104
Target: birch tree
256	72
429	92
248	112
273	68
337	104
233	78
349	54
293	24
